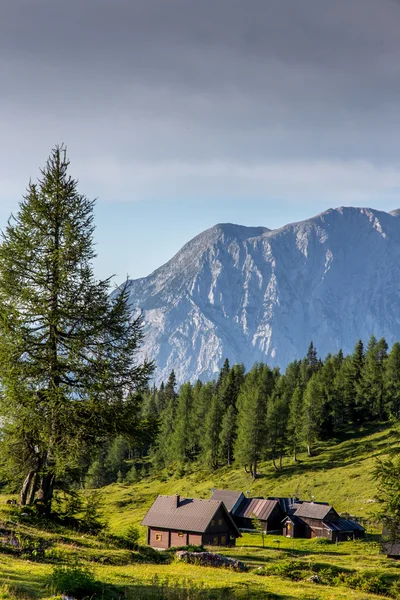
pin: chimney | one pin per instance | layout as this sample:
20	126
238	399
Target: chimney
177	498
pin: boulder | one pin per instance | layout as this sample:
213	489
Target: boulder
209	559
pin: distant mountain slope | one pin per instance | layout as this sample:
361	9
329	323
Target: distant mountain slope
251	294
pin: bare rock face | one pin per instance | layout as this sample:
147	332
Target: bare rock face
251	294
209	559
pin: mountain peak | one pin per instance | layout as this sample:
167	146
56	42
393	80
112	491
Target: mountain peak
251	294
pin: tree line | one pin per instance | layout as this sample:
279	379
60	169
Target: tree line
243	418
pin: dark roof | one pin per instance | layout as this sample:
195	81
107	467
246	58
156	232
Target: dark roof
187	514
313	510
344	525
285	503
228	497
260	508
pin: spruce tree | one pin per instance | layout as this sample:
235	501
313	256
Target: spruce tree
182	438
295	422
277	417
312	413
67	353
211	444
228	435
252	404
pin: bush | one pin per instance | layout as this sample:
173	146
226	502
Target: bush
131	537
73	580
370	582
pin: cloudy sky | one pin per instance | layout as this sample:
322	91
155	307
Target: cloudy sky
179	114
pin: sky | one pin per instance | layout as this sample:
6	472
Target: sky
180	114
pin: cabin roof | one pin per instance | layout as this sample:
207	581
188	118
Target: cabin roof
313	510
187	514
228	497
256	507
285	503
343	525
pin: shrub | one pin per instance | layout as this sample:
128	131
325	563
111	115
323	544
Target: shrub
73	580
131	537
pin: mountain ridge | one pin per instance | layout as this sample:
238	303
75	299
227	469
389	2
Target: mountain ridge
258	294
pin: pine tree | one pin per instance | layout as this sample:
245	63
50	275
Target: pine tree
223	372
211	444
67	354
182	439
228	435
372	382
252	404
312	413
312	359
277	416
170	393
295	422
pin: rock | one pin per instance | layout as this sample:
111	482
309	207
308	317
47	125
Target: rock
250	294
209	559
314	579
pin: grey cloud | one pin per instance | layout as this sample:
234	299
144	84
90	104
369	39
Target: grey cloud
184	80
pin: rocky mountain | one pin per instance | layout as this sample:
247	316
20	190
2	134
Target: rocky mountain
254	294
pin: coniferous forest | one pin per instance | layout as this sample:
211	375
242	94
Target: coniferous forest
243	418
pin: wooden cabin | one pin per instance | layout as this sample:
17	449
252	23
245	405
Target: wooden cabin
267	512
175	521
320	520
230	498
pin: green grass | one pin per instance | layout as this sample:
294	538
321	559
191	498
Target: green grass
339	473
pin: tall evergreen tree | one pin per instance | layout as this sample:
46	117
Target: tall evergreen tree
211	444
182	438
372	383
67	354
252	404
277	417
227	435
312	413
295	422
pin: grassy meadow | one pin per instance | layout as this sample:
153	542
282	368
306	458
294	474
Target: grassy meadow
340	473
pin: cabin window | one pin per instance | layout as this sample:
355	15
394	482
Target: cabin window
288	525
180	534
223	540
158	537
212	522
219	521
215	541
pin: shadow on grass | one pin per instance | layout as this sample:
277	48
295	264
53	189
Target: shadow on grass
350	446
35	587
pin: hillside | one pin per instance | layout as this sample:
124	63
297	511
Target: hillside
251	294
340	474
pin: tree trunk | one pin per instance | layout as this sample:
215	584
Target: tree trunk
45	493
25	488
275	467
33	488
308	450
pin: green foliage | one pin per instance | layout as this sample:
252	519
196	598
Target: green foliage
73	580
131	536
252	406
92	511
67	354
